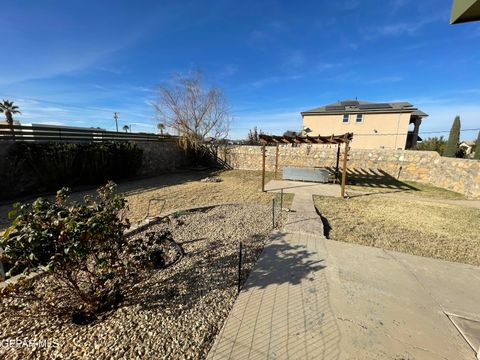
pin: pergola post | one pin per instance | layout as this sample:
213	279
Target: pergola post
263	167
338	164
277	140
344	169
276	162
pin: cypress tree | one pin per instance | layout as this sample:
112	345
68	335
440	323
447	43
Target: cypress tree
477	148
453	139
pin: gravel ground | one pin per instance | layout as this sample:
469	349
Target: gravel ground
173	313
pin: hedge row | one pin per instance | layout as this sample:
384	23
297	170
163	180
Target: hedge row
33	168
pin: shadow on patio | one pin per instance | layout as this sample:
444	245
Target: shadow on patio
284	262
375	181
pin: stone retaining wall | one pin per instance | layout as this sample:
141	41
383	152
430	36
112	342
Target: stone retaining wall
460	175
161	157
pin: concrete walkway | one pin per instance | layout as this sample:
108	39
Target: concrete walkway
312	298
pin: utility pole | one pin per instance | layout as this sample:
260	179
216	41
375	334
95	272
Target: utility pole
115	116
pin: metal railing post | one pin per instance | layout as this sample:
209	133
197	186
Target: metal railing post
281	200
240	267
273	212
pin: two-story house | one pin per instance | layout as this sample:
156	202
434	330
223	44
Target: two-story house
374	125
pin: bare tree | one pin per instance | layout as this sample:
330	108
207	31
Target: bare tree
194	111
254	136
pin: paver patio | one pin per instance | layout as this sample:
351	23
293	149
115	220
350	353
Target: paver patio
313	298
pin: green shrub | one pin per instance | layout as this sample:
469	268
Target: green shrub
81	245
476	155
432	144
451	149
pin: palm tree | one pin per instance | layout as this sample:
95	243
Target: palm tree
125	128
160	127
9	109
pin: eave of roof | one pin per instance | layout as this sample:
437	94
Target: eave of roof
359	111
419	113
364	107
465	11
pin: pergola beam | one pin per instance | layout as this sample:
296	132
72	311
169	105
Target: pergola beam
333	139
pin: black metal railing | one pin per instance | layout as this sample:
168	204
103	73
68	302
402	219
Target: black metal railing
39	133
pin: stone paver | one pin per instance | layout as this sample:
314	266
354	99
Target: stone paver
312	298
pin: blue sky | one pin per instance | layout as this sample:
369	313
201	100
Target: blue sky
74	63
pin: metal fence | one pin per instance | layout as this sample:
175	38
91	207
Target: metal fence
44	133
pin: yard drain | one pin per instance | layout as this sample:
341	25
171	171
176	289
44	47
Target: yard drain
469	329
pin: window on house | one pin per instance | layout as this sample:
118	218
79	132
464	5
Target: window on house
359	118
345	118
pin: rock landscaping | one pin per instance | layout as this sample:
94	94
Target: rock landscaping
211	179
171	313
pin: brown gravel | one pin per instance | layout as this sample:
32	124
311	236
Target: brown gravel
169	314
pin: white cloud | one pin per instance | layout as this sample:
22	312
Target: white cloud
351	4
441	117
59	123
274	79
398	4
296	59
410	28
385	79
276	121
227	71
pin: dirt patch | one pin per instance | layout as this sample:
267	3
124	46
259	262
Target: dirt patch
183	190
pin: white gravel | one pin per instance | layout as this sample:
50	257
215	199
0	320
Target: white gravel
173	313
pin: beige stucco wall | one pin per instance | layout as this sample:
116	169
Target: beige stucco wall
376	130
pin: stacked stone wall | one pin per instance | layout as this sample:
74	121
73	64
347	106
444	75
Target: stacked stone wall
460	175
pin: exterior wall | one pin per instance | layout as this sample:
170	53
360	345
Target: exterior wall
460	175
160	157
386	126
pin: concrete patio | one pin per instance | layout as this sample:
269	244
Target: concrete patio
313	298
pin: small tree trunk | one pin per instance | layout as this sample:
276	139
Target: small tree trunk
9	117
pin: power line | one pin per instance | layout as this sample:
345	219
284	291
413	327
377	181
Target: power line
73	106
422	132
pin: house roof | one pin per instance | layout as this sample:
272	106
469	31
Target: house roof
359	106
465	11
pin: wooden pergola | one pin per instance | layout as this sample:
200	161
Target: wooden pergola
324	140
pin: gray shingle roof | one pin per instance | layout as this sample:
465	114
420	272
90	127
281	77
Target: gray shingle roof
359	106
